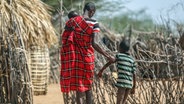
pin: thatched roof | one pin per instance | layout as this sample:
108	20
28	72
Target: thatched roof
31	18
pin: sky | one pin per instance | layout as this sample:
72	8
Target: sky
168	9
174	9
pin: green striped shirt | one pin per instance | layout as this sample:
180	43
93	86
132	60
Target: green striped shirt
126	67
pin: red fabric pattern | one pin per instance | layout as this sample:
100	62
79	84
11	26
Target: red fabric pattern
77	56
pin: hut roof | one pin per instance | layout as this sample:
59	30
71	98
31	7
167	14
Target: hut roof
31	18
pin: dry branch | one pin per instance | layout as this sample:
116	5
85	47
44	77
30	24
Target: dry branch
160	72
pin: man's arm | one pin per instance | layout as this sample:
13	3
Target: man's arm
95	44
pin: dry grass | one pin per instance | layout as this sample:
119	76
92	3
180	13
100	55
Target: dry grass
30	18
23	23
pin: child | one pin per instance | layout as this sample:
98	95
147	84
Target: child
72	14
126	72
67	36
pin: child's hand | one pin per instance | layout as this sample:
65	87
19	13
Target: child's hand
100	74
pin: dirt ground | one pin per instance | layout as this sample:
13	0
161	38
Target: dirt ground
54	96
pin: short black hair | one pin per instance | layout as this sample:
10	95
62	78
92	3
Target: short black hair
125	44
89	6
72	14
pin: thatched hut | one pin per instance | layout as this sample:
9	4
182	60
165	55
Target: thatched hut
23	24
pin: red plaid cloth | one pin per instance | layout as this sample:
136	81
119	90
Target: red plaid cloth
77	56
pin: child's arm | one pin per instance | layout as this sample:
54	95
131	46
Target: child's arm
134	84
104	67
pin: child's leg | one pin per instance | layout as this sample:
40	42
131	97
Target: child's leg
89	97
120	95
127	91
79	96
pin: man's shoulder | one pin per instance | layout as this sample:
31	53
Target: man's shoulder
90	20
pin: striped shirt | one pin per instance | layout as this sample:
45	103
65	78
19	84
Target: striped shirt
126	67
93	24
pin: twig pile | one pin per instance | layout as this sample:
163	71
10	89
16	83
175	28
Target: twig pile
32	19
160	70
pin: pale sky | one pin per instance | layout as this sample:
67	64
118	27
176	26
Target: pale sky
166	8
174	9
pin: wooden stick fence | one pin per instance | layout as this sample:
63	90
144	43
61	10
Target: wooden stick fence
160	73
22	24
15	82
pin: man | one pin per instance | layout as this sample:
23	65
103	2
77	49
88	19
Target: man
77	57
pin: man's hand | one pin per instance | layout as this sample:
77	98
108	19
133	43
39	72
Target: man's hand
111	59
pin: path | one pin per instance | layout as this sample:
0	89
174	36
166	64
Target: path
54	96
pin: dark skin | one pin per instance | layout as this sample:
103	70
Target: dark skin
134	83
95	38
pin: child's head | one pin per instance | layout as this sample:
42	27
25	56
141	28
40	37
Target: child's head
124	46
72	14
